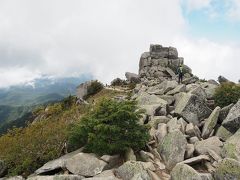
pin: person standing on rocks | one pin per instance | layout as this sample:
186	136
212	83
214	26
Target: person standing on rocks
180	74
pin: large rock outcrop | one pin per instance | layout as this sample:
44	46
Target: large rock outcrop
160	63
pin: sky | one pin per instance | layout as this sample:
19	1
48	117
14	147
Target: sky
106	38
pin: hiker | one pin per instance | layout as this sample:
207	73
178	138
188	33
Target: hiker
180	74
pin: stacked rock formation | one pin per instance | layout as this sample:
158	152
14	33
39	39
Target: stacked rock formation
161	63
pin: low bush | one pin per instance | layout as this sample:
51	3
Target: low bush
226	94
112	127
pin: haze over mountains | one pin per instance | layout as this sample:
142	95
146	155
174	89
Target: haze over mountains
17	101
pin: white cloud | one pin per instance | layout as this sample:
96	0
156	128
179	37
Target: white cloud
210	59
102	37
233	11
192	5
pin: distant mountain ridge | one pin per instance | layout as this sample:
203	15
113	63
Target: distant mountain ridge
17	102
40	90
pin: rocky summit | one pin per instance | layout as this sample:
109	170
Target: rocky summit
190	139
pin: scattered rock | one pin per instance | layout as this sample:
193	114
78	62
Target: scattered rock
231	147
190	80
223	133
199	91
192	109
189	151
57	177
173	148
59	163
193	140
210	123
168	98
232	121
151	103
224	112
131	170
160	119
178	89
161	132
192	130
206	176
228	169
173	125
129	155
212	143
196	160
105	175
184	172
112	161
146	156
132	78
85	165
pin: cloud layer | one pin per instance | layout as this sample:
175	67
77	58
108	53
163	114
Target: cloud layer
102	37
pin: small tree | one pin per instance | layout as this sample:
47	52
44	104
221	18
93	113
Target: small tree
111	128
226	94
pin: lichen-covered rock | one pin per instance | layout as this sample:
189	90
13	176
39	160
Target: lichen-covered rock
223	133
192	109
152	104
173	148
131	170
85	165
57	163
224	112
231	147
184	172
228	169
232	121
206	176
129	155
210	123
178	89
212	143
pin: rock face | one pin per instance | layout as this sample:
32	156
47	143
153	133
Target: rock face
132	78
160	63
232	121
192	109
184	172
228	169
173	148
82	89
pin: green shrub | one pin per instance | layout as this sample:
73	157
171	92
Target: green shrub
226	94
112	127
94	88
